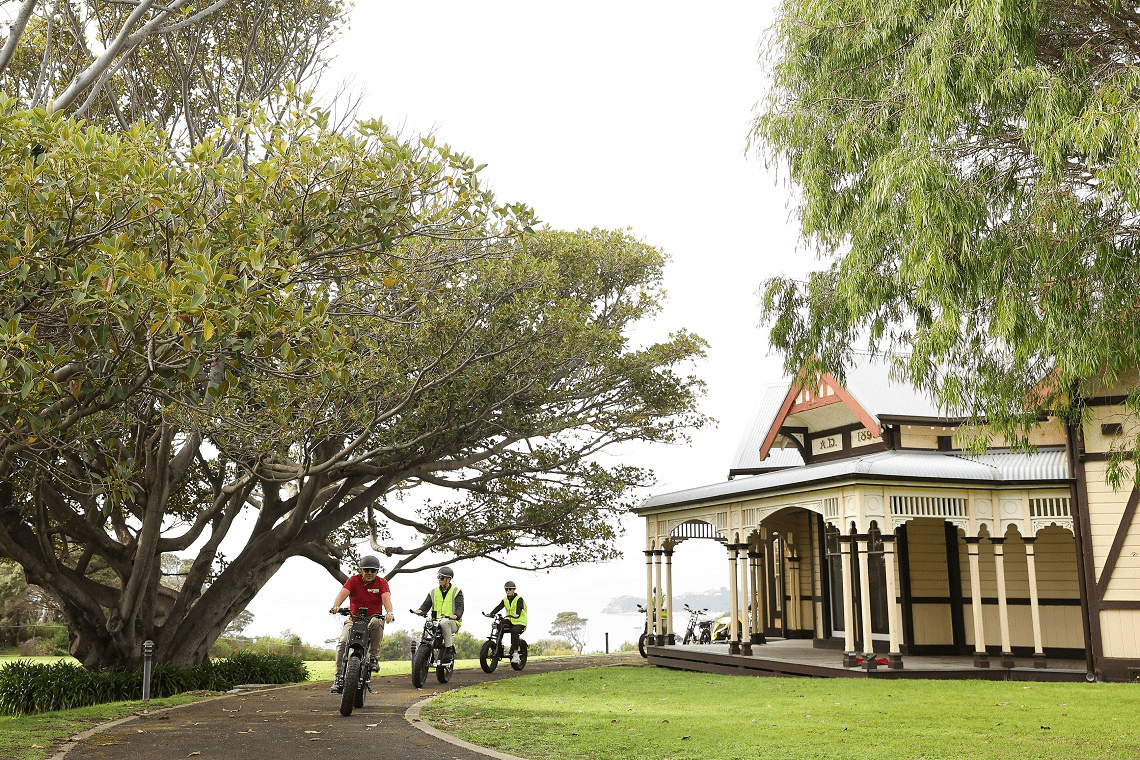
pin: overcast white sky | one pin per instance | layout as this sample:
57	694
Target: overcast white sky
609	114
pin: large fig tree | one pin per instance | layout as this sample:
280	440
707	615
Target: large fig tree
199	343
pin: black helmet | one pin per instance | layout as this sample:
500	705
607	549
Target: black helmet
446	572
508	585
370	563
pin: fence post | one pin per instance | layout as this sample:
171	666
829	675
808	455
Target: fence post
607	642
148	661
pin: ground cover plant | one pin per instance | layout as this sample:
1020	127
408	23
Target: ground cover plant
635	713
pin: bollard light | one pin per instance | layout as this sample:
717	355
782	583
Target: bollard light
148	661
607	642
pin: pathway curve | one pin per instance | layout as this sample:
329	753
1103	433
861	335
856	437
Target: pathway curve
303	722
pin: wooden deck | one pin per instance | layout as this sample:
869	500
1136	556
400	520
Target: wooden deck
797	657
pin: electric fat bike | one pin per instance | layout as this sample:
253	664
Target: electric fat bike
356	666
697	631
428	654
492	650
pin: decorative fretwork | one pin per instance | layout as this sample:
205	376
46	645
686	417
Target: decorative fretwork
1054	510
928	506
831	508
694	529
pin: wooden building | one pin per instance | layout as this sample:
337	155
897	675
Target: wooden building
852	517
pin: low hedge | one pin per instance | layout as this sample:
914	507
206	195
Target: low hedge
27	687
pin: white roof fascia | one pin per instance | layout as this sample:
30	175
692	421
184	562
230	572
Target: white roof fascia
1046	466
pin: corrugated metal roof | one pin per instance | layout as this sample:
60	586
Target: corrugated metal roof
1045	465
869	382
748	451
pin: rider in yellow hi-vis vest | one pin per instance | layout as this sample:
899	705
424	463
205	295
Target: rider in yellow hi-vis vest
515	608
446	604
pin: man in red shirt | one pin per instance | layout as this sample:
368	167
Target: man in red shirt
370	591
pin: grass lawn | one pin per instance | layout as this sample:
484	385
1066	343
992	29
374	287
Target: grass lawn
639	713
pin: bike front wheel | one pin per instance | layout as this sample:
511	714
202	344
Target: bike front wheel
488	659
443	672
420	665
351	684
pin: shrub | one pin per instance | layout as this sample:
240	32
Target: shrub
35	647
550	648
466	646
27	687
397	645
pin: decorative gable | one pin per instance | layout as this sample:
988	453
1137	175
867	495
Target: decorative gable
815	395
805	401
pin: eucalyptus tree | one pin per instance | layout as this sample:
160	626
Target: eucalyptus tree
572	627
972	171
269	348
181	65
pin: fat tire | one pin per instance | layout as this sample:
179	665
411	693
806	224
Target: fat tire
487	661
358	699
420	665
443	673
522	657
351	683
641	645
706	637
688	637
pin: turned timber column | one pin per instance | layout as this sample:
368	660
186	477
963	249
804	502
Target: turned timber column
670	638
734	602
650	603
981	657
746	595
864	544
659	600
1003	606
894	657
762	568
850	659
754	558
795	604
1034	604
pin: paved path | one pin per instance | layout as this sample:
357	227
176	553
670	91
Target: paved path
303	722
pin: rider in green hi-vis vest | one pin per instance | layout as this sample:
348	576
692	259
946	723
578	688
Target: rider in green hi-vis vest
446	604
515	608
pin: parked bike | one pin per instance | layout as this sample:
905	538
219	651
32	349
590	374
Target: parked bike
698	631
428	654
492	650
646	636
356	666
